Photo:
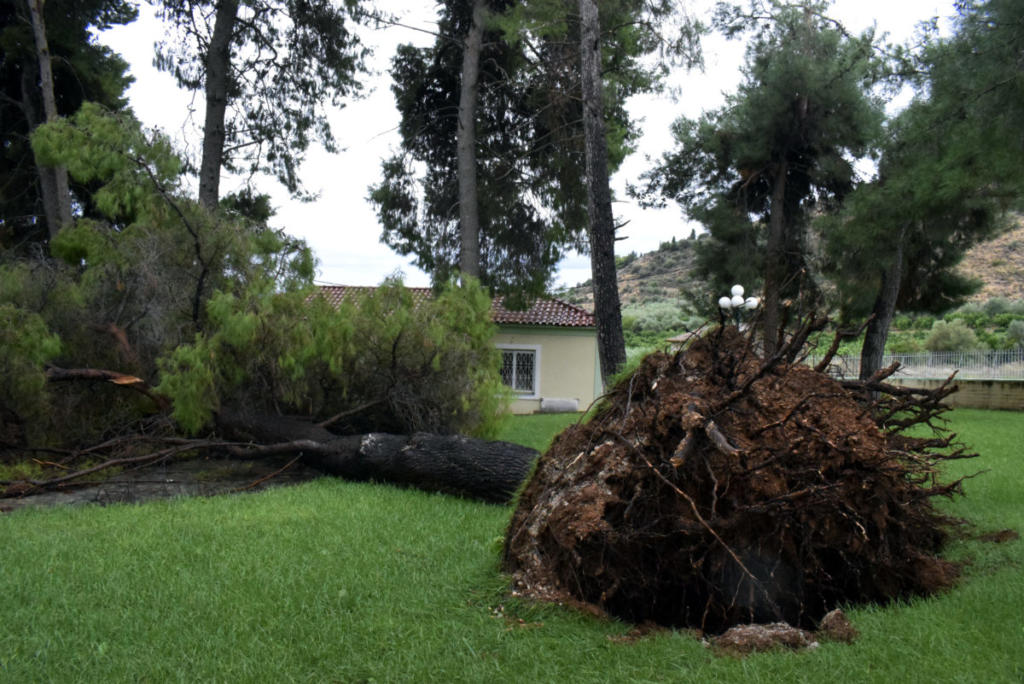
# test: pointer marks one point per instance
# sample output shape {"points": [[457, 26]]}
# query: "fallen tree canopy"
{"points": [[716, 488]]}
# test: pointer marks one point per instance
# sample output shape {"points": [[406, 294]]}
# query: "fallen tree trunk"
{"points": [[453, 464], [464, 466]]}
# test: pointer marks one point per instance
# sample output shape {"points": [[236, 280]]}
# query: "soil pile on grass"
{"points": [[714, 488]]}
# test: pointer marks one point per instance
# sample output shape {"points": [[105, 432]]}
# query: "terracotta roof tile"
{"points": [[551, 312], [543, 312]]}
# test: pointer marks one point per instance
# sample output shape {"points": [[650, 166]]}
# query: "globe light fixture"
{"points": [[734, 304]]}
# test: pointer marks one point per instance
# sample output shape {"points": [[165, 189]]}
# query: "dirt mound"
{"points": [[715, 488]]}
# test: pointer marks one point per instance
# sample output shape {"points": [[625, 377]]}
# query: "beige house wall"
{"points": [[569, 367]]}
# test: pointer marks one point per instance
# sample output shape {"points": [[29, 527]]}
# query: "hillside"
{"points": [[652, 277], [999, 264], [660, 276]]}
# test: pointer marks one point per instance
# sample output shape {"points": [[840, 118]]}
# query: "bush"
{"points": [[923, 322], [1015, 333], [1003, 320], [997, 305], [994, 340], [971, 319], [951, 336], [971, 308], [656, 318], [903, 344]]}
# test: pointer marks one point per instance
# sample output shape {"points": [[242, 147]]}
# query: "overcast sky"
{"points": [[342, 227]]}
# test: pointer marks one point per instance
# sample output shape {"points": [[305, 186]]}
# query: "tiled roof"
{"points": [[552, 312], [543, 312], [336, 294]]}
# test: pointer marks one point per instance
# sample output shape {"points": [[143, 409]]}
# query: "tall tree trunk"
{"points": [[775, 264], [53, 180], [607, 308], [877, 332], [218, 69], [469, 205]]}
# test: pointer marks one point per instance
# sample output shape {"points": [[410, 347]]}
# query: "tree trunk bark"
{"points": [[53, 180], [473, 468], [607, 307], [774, 269], [218, 69], [885, 306], [469, 205]]}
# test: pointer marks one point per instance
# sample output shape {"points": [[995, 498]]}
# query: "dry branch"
{"points": [[55, 374]]}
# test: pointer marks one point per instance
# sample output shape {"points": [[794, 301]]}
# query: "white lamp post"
{"points": [[736, 303]]}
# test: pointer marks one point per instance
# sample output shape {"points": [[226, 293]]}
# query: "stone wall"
{"points": [[983, 394]]}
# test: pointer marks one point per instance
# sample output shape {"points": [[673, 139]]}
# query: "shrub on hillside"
{"points": [[1003, 320], [970, 319], [924, 322], [951, 336], [656, 317], [903, 344], [1015, 333], [997, 305], [971, 308]]}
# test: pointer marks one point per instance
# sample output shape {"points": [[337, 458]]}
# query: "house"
{"points": [[548, 352]]}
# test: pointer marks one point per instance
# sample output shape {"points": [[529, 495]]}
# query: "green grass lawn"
{"points": [[334, 581]]}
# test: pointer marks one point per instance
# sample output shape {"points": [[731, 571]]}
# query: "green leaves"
{"points": [[195, 301], [190, 377], [134, 171], [28, 344], [802, 115], [289, 61], [393, 362], [951, 162]]}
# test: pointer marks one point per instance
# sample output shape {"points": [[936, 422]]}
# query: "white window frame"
{"points": [[535, 348]]}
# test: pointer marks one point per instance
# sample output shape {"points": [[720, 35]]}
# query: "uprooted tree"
{"points": [[715, 487], [167, 329]]}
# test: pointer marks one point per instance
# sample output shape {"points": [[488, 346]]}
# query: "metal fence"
{"points": [[1005, 364]]}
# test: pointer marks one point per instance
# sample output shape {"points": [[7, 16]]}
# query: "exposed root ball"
{"points": [[716, 489]]}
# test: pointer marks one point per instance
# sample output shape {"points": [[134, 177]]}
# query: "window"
{"points": [[519, 370]]}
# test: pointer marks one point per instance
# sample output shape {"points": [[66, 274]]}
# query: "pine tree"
{"points": [[268, 69], [508, 205], [81, 68], [951, 163], [781, 149]]}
